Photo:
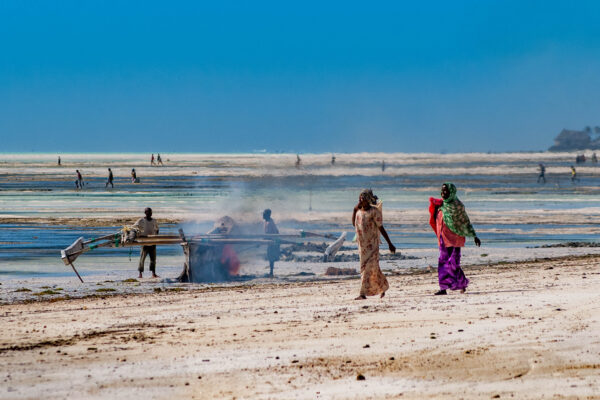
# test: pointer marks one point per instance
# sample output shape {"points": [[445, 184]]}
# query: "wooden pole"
{"points": [[77, 273]]}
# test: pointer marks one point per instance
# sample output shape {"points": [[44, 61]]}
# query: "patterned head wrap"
{"points": [[455, 216], [368, 195]]}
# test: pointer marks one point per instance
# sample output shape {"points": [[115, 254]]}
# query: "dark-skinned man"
{"points": [[147, 226]]}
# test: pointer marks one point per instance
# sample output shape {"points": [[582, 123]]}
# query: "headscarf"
{"points": [[368, 195], [455, 216]]}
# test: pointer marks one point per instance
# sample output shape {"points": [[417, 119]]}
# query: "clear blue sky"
{"points": [[296, 76]]}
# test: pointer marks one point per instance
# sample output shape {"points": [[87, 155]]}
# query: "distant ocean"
{"points": [[510, 210]]}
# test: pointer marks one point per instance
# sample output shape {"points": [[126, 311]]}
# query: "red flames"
{"points": [[230, 260]]}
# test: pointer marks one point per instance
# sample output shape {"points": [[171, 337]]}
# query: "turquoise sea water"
{"points": [[509, 208]]}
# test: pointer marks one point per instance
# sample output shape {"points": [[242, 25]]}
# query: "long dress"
{"points": [[367, 225], [450, 274], [273, 251]]}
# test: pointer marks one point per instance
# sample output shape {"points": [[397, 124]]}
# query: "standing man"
{"points": [[272, 249], [147, 226], [542, 173], [110, 179], [133, 176], [79, 180], [158, 159], [59, 160], [152, 159]]}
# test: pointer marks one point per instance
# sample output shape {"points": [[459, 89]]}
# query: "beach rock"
{"points": [[334, 271]]}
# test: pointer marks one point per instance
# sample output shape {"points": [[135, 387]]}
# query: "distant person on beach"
{"points": [[147, 226], [273, 252], [134, 178], [542, 175], [451, 224], [158, 159], [574, 174], [78, 180], [382, 165], [367, 219], [298, 161], [332, 159], [594, 158], [110, 179], [59, 160], [152, 159]]}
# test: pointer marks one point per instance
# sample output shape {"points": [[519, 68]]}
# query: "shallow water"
{"points": [[509, 209]]}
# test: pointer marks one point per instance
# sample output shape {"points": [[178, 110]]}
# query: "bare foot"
{"points": [[463, 290], [155, 276], [382, 295], [440, 292], [140, 277], [361, 297]]}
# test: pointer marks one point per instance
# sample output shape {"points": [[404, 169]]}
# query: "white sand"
{"points": [[524, 330]]}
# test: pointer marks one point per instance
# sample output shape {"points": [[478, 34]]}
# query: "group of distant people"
{"points": [[574, 178], [157, 161], [79, 182], [298, 163], [580, 158]]}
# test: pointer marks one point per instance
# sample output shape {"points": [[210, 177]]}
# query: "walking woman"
{"points": [[451, 224], [368, 221]]}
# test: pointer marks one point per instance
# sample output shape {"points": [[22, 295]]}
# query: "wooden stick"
{"points": [[77, 273]]}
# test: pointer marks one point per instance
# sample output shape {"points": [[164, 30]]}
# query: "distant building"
{"points": [[570, 140]]}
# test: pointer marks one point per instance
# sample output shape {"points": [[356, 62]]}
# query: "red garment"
{"points": [[433, 205], [450, 238]]}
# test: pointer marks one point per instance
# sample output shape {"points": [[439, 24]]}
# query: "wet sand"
{"points": [[524, 330]]}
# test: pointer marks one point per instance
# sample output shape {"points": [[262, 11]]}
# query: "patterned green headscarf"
{"points": [[455, 216]]}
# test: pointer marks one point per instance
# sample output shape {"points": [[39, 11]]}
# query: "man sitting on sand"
{"points": [[147, 226]]}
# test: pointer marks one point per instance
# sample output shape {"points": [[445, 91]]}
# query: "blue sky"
{"points": [[296, 76]]}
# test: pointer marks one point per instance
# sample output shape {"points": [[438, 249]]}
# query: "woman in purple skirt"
{"points": [[450, 222]]}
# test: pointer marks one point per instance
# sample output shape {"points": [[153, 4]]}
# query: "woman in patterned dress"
{"points": [[368, 221], [451, 224]]}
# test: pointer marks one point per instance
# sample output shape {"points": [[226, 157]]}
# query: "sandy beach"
{"points": [[524, 330]]}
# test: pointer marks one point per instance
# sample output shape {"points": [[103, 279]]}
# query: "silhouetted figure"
{"points": [[59, 160], [542, 173], [110, 179], [594, 158], [574, 174], [134, 178], [298, 161], [272, 249], [158, 159], [79, 180], [332, 159], [382, 165], [152, 159]]}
